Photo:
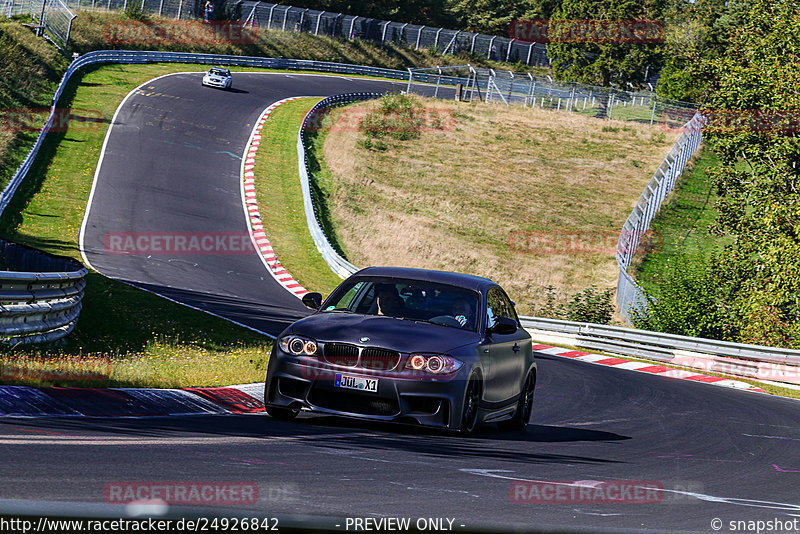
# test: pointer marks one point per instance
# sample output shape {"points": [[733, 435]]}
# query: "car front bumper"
{"points": [[222, 84], [309, 383]]}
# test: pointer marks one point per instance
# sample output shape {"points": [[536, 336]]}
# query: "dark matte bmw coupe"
{"points": [[408, 345]]}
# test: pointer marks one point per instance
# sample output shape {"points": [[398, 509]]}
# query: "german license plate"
{"points": [[359, 383]]}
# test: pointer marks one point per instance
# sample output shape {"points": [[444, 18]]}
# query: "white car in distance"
{"points": [[217, 77]]}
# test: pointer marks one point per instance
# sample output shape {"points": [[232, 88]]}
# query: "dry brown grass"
{"points": [[452, 198]]}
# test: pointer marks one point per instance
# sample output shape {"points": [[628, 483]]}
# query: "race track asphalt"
{"points": [[172, 165]]}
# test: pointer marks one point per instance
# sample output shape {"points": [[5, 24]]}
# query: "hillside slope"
{"points": [[530, 198]]}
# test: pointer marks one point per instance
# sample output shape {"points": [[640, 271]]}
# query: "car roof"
{"points": [[444, 277]]}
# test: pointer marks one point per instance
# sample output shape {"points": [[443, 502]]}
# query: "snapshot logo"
{"points": [[178, 243], [182, 493], [101, 371], [586, 492], [178, 32], [587, 31], [33, 120], [579, 242], [352, 120]]}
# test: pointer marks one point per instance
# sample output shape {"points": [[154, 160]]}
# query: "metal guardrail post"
{"points": [[419, 34]]}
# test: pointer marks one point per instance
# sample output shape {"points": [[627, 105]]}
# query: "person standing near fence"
{"points": [[208, 11]]}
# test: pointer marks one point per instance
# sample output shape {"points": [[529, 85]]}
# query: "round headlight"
{"points": [[417, 362], [296, 346], [310, 348], [435, 364]]}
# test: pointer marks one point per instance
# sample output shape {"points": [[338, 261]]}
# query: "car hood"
{"points": [[386, 332]]}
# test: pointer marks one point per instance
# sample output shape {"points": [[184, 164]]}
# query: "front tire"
{"points": [[284, 414], [524, 407], [472, 398], [278, 412]]}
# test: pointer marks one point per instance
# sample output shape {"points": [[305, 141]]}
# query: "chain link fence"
{"points": [[524, 89], [53, 18], [440, 40], [634, 235]]}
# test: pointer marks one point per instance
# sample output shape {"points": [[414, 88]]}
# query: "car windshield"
{"points": [[413, 300], [219, 72]]}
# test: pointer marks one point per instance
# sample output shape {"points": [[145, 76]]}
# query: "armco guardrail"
{"points": [[114, 56], [338, 265], [44, 306], [40, 295], [653, 345], [629, 294]]}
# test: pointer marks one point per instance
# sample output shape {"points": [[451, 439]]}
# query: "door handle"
{"points": [[516, 347]]}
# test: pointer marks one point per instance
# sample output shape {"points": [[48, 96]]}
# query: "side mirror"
{"points": [[312, 300], [504, 326]]}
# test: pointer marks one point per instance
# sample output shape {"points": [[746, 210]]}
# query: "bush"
{"points": [[399, 116], [592, 305], [134, 10], [695, 299]]}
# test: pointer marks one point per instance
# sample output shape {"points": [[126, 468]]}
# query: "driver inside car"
{"points": [[462, 312], [389, 301]]}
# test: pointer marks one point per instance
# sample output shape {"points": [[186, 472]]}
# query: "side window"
{"points": [[494, 306], [347, 298], [498, 305], [511, 312]]}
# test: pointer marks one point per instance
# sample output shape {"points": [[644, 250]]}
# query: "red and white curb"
{"points": [[24, 401], [255, 227], [650, 368]]}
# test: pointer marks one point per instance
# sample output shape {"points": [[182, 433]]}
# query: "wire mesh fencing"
{"points": [[440, 40], [525, 89]]}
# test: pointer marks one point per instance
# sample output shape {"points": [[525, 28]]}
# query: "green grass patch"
{"points": [[146, 340], [280, 199], [681, 228]]}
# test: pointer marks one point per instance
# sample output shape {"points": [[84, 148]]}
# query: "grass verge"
{"points": [[139, 338], [280, 199], [530, 198], [682, 225]]}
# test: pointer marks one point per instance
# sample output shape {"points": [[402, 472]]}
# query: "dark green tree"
{"points": [[751, 291], [620, 64], [753, 126], [697, 32]]}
